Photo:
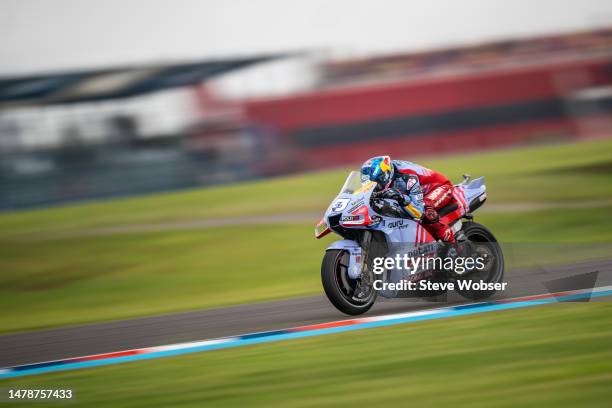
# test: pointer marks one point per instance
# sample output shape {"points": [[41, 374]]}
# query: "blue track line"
{"points": [[289, 334]]}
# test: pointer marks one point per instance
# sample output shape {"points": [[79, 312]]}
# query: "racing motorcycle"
{"points": [[372, 226]]}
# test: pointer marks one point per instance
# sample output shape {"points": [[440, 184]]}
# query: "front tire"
{"points": [[340, 289]]}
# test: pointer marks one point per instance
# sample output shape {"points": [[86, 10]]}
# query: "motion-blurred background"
{"points": [[166, 156], [99, 100], [145, 143]]}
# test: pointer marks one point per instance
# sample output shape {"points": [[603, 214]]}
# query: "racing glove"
{"points": [[393, 194], [408, 208]]}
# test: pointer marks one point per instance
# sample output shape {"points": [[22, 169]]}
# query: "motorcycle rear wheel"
{"points": [[482, 239]]}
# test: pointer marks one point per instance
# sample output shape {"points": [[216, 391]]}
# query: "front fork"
{"points": [[366, 277]]}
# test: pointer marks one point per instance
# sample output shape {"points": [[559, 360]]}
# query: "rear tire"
{"points": [[339, 288], [484, 243]]}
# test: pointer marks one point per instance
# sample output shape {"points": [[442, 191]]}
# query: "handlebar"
{"points": [[384, 207]]}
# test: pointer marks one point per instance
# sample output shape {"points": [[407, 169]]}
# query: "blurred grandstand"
{"points": [[92, 134]]}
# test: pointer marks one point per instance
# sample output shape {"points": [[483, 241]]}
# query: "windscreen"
{"points": [[352, 183]]}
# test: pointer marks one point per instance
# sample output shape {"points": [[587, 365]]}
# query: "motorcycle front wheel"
{"points": [[347, 295]]}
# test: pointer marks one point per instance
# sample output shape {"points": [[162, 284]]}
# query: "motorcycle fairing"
{"points": [[408, 235], [355, 254], [468, 196]]}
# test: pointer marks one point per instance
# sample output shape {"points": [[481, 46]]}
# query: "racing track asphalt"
{"points": [[65, 342]]}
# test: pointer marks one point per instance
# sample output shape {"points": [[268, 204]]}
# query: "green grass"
{"points": [[560, 173], [559, 355], [103, 278], [62, 281], [83, 280]]}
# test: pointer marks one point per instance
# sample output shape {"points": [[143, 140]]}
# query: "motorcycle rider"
{"points": [[421, 192]]}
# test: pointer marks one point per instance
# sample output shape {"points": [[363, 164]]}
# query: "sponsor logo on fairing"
{"points": [[346, 218], [395, 224]]}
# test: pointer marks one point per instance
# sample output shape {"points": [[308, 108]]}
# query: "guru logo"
{"points": [[395, 224]]}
